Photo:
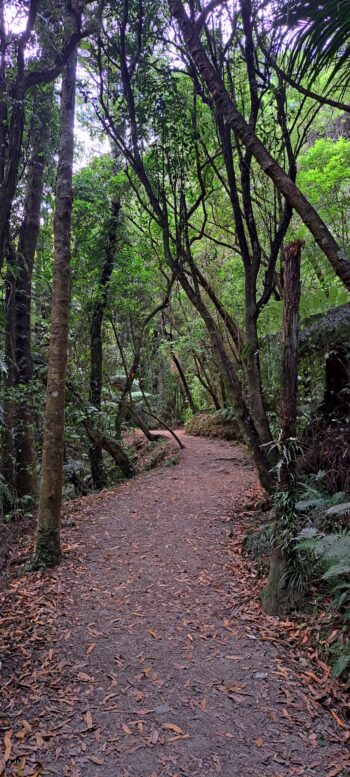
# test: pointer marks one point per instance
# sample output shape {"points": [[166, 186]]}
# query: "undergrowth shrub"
{"points": [[221, 425], [329, 554]]}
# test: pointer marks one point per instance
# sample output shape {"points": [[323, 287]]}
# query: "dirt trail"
{"points": [[151, 671]]}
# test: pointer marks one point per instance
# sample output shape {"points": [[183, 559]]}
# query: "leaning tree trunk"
{"points": [[274, 596], [185, 385], [206, 382], [111, 446], [26, 483], [48, 548], [96, 350], [229, 373], [226, 108]]}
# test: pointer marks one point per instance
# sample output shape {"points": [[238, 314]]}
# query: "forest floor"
{"points": [[145, 653]]}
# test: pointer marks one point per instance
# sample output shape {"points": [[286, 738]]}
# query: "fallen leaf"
{"points": [[334, 772], [180, 736], [95, 760], [259, 742], [126, 729], [39, 740], [337, 719], [88, 718], [173, 727], [8, 744], [235, 688], [85, 678]]}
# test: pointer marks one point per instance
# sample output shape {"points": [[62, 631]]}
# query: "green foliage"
{"points": [[342, 664], [324, 173], [320, 31], [331, 554], [332, 550], [156, 457]]}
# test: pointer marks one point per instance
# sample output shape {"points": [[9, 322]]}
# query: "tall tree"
{"points": [[48, 547], [40, 131], [23, 67], [226, 108], [275, 591], [96, 349]]}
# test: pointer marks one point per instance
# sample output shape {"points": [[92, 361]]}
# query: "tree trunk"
{"points": [[185, 385], [3, 96], [111, 446], [253, 374], [230, 376], [48, 548], [205, 380], [135, 416], [26, 483], [96, 350], [8, 456], [227, 109], [13, 156], [274, 596]]}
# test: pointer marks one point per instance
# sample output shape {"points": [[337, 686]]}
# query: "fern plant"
{"points": [[332, 552], [327, 513]]}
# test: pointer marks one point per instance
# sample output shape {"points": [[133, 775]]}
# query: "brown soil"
{"points": [[145, 654]]}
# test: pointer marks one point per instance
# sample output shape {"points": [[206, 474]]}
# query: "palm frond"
{"points": [[318, 32]]}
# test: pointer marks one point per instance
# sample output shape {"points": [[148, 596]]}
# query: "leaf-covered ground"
{"points": [[145, 653]]}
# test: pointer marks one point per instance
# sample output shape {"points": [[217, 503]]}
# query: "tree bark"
{"points": [[227, 109], [48, 548], [290, 337], [111, 446], [274, 595]]}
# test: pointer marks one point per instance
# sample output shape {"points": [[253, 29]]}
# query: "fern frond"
{"points": [[338, 509], [342, 663], [337, 570], [304, 505]]}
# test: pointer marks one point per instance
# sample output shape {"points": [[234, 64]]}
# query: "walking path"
{"points": [[151, 668]]}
